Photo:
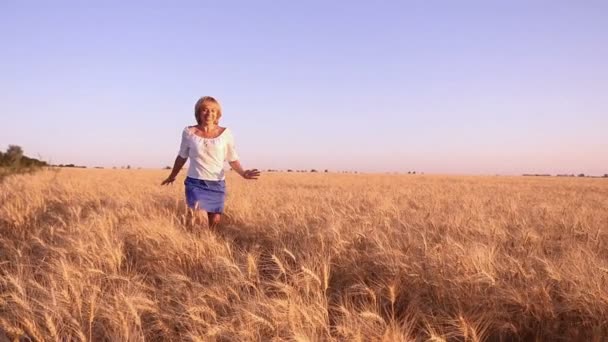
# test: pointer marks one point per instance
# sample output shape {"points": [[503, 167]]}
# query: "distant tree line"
{"points": [[562, 175], [14, 157], [71, 165], [13, 161]]}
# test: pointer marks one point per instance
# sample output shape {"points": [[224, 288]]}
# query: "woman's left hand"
{"points": [[168, 181], [251, 174]]}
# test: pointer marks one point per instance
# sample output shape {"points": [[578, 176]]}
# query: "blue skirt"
{"points": [[207, 195]]}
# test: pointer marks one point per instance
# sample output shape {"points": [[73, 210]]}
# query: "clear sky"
{"points": [[478, 87]]}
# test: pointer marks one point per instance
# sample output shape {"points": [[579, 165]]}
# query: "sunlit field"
{"points": [[111, 255]]}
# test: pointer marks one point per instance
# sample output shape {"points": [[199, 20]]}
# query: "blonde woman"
{"points": [[208, 146]]}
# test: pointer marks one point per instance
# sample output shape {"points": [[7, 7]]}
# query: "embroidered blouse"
{"points": [[207, 155]]}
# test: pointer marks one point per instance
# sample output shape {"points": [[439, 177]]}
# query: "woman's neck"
{"points": [[207, 128]]}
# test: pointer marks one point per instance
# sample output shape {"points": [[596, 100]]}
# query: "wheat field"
{"points": [[109, 255]]}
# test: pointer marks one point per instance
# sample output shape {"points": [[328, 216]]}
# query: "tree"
{"points": [[13, 154]]}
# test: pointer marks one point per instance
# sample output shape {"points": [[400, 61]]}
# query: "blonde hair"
{"points": [[206, 101]]}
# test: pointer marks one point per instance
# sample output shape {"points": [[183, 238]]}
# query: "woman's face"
{"points": [[209, 114]]}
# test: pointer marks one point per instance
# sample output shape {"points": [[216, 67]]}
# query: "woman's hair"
{"points": [[206, 101]]}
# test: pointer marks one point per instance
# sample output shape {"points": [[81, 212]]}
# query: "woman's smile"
{"points": [[209, 115]]}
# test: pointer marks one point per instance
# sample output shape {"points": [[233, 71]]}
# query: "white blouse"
{"points": [[207, 156]]}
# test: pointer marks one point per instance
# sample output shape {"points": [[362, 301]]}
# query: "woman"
{"points": [[208, 146]]}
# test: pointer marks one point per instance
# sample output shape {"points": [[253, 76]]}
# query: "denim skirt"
{"points": [[204, 194]]}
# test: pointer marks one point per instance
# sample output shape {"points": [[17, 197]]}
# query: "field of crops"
{"points": [[111, 255]]}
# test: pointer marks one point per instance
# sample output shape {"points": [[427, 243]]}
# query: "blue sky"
{"points": [[479, 87]]}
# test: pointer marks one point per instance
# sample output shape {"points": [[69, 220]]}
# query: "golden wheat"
{"points": [[111, 255]]}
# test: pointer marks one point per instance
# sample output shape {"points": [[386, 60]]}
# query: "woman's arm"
{"points": [[177, 166], [247, 174]]}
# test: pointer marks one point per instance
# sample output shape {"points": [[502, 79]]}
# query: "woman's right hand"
{"points": [[168, 181], [251, 174]]}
